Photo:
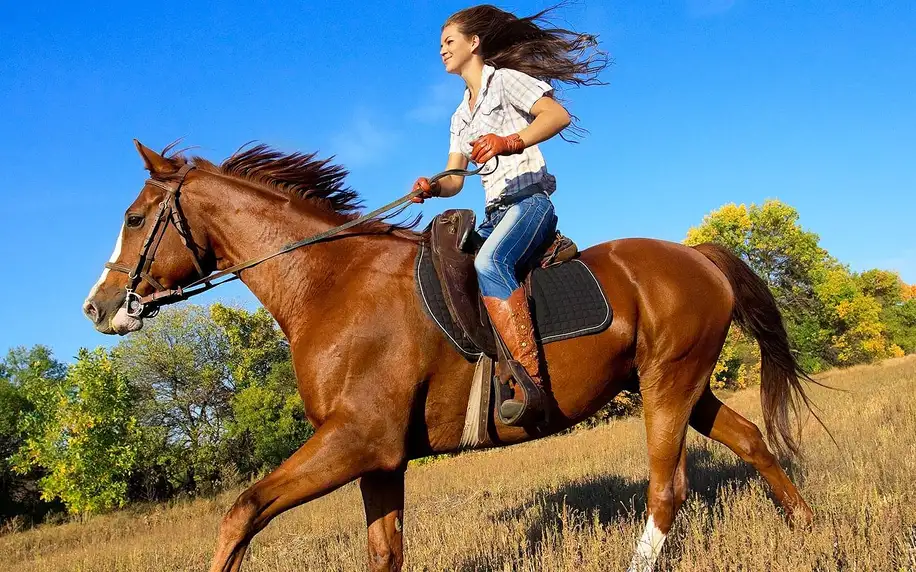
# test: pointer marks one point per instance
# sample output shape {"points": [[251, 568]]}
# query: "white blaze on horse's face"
{"points": [[120, 323], [647, 548], [114, 258]]}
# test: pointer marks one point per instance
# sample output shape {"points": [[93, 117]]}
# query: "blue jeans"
{"points": [[512, 234]]}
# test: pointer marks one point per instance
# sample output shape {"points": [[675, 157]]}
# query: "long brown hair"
{"points": [[533, 45]]}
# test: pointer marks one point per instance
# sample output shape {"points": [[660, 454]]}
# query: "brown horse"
{"points": [[380, 382]]}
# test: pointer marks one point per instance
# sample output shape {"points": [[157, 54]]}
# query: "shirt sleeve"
{"points": [[522, 90]]}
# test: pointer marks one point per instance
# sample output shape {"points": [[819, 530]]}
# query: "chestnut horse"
{"points": [[381, 383]]}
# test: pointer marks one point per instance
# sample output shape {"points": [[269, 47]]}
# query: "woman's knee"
{"points": [[487, 263]]}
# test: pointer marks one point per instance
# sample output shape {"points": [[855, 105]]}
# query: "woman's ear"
{"points": [[475, 43]]}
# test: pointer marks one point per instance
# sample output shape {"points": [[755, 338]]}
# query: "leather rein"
{"points": [[170, 211]]}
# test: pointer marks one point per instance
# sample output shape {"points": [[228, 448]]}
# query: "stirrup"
{"points": [[528, 410]]}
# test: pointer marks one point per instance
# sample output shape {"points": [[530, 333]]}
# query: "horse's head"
{"points": [[162, 245]]}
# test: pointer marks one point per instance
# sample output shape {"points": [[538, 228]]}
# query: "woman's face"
{"points": [[456, 49]]}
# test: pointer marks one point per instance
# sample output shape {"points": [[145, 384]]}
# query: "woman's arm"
{"points": [[446, 186], [549, 119], [451, 185]]}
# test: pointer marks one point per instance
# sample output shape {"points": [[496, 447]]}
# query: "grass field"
{"points": [[574, 502]]}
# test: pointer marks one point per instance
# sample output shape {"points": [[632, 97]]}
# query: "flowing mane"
{"points": [[303, 177]]}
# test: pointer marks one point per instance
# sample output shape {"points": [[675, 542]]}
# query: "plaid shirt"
{"points": [[503, 107]]}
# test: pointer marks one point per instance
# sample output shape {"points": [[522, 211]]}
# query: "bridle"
{"points": [[170, 211]]}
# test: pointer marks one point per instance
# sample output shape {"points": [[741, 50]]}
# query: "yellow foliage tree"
{"points": [[908, 292], [833, 316]]}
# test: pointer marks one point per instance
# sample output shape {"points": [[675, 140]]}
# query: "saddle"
{"points": [[454, 243]]}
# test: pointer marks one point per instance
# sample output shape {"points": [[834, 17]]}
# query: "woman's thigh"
{"points": [[523, 227]]}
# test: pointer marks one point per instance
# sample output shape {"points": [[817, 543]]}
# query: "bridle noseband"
{"points": [[170, 211]]}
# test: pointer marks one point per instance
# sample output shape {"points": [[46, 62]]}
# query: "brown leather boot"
{"points": [[512, 319]]}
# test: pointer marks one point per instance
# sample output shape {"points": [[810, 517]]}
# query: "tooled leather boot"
{"points": [[512, 319]]}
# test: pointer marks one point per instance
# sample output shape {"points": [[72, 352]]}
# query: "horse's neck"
{"points": [[286, 284]]}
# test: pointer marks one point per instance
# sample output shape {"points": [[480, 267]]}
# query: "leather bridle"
{"points": [[170, 211]]}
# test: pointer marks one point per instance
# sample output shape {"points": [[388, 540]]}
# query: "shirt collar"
{"points": [[485, 76]]}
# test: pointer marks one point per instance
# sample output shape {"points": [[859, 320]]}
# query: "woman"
{"points": [[508, 65]]}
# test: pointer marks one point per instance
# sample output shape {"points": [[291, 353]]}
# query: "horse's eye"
{"points": [[134, 220]]}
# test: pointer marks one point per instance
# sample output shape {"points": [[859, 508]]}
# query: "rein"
{"points": [[169, 210]]}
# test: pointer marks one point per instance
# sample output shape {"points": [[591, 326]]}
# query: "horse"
{"points": [[379, 381]]}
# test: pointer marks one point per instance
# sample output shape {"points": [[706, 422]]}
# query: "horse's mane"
{"points": [[303, 177]]}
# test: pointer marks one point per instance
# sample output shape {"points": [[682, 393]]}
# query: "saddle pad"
{"points": [[567, 302]]}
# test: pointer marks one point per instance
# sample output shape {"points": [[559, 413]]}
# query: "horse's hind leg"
{"points": [[383, 498], [667, 401], [714, 419]]}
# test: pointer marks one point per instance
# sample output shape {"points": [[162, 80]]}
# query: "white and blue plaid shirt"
{"points": [[503, 107]]}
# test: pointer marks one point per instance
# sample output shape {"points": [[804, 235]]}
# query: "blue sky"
{"points": [[708, 102]]}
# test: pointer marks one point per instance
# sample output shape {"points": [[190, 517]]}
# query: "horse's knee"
{"points": [[238, 523], [486, 266]]}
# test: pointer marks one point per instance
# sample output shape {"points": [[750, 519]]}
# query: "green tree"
{"points": [[851, 319], [24, 371], [82, 435], [883, 285], [900, 319], [268, 420], [898, 307], [177, 366], [17, 492], [770, 239], [269, 416], [255, 343]]}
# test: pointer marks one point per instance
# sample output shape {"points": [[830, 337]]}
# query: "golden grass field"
{"points": [[574, 502]]}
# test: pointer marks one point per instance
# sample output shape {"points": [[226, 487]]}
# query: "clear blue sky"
{"points": [[709, 102]]}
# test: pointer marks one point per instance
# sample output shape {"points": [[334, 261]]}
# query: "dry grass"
{"points": [[573, 502]]}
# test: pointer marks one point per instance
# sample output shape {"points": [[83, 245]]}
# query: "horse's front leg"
{"points": [[336, 454], [383, 498]]}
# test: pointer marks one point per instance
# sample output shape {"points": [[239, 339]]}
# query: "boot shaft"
{"points": [[512, 319]]}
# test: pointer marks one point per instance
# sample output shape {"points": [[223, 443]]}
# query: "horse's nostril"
{"points": [[91, 311]]}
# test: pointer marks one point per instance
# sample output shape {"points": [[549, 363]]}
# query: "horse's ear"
{"points": [[155, 163]]}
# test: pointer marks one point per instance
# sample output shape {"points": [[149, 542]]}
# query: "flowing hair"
{"points": [[535, 46]]}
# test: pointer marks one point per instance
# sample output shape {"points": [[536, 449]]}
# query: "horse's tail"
{"points": [[780, 375]]}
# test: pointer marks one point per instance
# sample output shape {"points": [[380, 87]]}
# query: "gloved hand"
{"points": [[428, 189], [490, 145]]}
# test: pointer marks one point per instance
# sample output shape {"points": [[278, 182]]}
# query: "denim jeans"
{"points": [[512, 234]]}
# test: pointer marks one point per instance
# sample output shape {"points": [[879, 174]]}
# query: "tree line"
{"points": [[200, 399], [205, 397]]}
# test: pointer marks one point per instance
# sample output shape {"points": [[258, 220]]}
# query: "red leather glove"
{"points": [[427, 189], [491, 145]]}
